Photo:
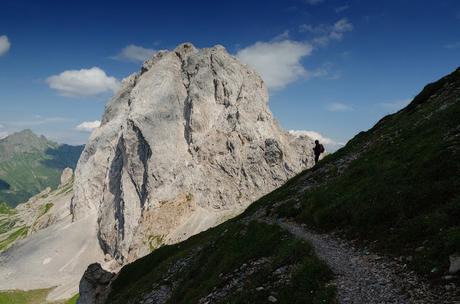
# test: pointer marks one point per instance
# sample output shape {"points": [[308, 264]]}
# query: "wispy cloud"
{"points": [[338, 107], [5, 45], [88, 126], [278, 62], [134, 53], [326, 71], [84, 82], [342, 8], [37, 121], [454, 45], [283, 36], [313, 2], [325, 33]]}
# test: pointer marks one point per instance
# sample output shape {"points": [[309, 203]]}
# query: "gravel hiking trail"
{"points": [[365, 278]]}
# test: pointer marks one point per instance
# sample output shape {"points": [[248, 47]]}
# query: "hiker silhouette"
{"points": [[318, 149]]}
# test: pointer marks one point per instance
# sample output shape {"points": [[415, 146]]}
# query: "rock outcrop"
{"points": [[185, 144], [94, 285], [66, 176]]}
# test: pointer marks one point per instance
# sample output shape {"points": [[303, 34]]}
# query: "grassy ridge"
{"points": [[403, 189], [27, 175]]}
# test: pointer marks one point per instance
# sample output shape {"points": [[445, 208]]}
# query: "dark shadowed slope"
{"points": [[30, 163]]}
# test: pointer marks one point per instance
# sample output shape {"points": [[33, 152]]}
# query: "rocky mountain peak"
{"points": [[22, 141], [186, 143]]}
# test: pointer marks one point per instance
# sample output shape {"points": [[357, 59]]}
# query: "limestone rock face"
{"points": [[185, 144]]}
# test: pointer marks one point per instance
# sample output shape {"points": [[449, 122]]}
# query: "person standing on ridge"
{"points": [[318, 149]]}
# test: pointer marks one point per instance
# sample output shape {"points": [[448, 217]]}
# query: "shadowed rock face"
{"points": [[93, 285], [185, 144]]}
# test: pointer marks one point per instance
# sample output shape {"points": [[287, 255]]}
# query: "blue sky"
{"points": [[333, 67]]}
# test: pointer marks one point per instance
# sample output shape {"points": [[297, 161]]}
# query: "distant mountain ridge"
{"points": [[30, 163]]}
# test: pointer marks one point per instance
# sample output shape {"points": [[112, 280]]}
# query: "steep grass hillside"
{"points": [[30, 163], [241, 261], [395, 188], [397, 184]]}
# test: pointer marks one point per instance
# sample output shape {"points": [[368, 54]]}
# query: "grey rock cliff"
{"points": [[185, 144]]}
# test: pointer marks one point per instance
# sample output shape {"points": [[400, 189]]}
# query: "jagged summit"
{"points": [[186, 142]]}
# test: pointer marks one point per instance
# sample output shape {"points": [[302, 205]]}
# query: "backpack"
{"points": [[321, 148]]}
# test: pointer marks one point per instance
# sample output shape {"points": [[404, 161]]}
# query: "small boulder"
{"points": [[66, 176], [272, 299], [419, 249]]}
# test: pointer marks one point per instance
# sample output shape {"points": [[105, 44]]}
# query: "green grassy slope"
{"points": [[244, 251], [402, 185], [30, 163], [37, 296]]}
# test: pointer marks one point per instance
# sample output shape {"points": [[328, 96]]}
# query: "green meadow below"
{"points": [[37, 296]]}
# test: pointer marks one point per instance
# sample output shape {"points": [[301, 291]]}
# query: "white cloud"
{"points": [[283, 36], [326, 33], [278, 62], [88, 126], [84, 82], [135, 53], [329, 142], [5, 45], [313, 2], [338, 107]]}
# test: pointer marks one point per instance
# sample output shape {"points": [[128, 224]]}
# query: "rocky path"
{"points": [[364, 278]]}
